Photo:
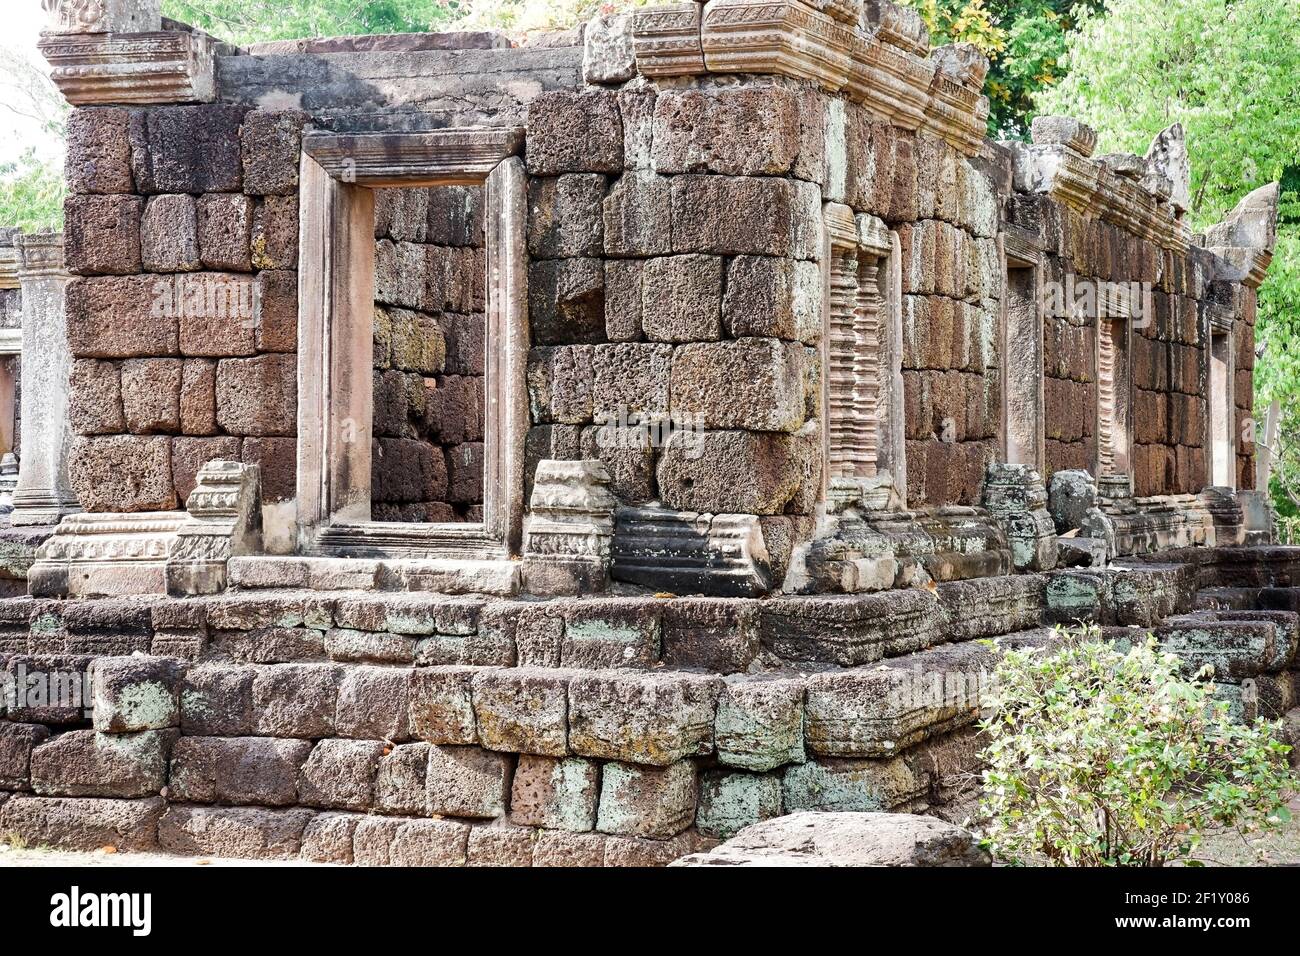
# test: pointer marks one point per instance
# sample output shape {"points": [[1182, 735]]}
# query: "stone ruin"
{"points": [[436, 450]]}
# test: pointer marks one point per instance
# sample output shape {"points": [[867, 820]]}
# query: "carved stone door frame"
{"points": [[336, 291], [1021, 348]]}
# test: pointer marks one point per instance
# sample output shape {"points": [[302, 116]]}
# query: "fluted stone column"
{"points": [[43, 495]]}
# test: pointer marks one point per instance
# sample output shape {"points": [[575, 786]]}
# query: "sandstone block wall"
{"points": [[182, 232], [427, 463]]}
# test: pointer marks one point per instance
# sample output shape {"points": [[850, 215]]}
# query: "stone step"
{"points": [[1237, 644]]}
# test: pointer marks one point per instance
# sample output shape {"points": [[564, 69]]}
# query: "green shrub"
{"points": [[1099, 755]]}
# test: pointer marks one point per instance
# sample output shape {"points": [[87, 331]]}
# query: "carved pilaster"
{"points": [[43, 494], [100, 69], [225, 521], [569, 528], [103, 16]]}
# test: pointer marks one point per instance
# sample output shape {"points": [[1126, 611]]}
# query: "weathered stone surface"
{"points": [[1069, 496], [468, 781], [95, 398], [136, 693], [850, 630], [722, 472], [16, 743], [556, 794], [327, 838], [114, 317], [270, 141], [295, 700], [609, 634], [630, 378], [682, 298], [273, 241], [641, 801], [607, 50], [879, 711], [243, 832], [275, 311], [638, 216], [759, 723], [373, 704], [574, 132], [623, 290], [716, 635], [122, 473], [216, 700], [501, 846], [225, 232], [655, 718], [151, 395], [523, 710], [364, 647], [83, 823], [258, 396], [99, 151], [405, 842], [559, 848], [169, 234], [852, 785], [729, 802], [566, 301], [102, 234], [188, 149], [564, 216], [401, 784], [847, 839], [737, 131], [761, 216], [755, 384], [340, 774], [772, 297], [198, 398], [238, 770], [84, 763]]}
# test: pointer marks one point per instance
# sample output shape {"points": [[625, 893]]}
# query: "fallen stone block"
{"points": [[847, 839], [655, 718]]}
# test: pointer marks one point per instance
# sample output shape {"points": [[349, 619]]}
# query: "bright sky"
{"points": [[21, 27]]}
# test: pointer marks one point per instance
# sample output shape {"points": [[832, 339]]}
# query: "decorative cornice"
{"points": [[408, 159], [11, 341], [882, 62], [1252, 264], [99, 69]]}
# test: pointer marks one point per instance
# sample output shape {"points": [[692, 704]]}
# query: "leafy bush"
{"points": [[1099, 755], [31, 194]]}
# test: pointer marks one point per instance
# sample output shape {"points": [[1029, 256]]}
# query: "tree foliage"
{"points": [[1103, 755], [1025, 41], [1226, 70], [253, 21], [31, 194]]}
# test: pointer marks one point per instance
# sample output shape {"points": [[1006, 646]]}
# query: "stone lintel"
{"points": [[437, 157], [101, 69]]}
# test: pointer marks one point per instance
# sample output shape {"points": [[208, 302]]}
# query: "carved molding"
{"points": [[438, 157], [225, 520], [569, 529], [666, 40], [124, 68], [881, 60], [41, 254], [11, 341], [92, 555], [687, 553]]}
